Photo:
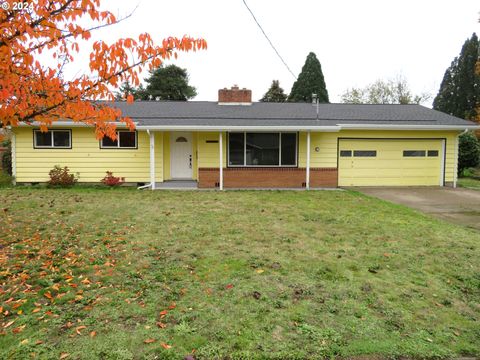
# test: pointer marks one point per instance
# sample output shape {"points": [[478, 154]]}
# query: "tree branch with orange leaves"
{"points": [[32, 92]]}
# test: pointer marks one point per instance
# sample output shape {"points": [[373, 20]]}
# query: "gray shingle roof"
{"points": [[203, 113]]}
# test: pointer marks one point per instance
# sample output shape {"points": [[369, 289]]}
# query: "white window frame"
{"points": [[118, 141], [279, 149], [35, 146]]}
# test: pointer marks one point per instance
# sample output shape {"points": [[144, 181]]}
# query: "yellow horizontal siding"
{"points": [[208, 153], [166, 156], [195, 155], [159, 156], [91, 162], [86, 158]]}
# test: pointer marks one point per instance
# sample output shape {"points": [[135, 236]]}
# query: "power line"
{"points": [[271, 44]]}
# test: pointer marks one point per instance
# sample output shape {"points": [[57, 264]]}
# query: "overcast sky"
{"points": [[356, 41]]}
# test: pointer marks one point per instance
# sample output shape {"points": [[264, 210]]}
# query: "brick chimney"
{"points": [[235, 96]]}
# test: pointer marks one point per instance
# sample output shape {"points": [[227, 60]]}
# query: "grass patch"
{"points": [[5, 179], [126, 274], [469, 183]]}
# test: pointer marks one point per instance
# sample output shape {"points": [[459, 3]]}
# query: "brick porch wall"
{"points": [[267, 177]]}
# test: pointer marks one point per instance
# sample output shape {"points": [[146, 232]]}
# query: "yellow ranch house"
{"points": [[237, 143]]}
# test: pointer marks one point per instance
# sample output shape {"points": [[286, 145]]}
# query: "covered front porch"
{"points": [[235, 160]]}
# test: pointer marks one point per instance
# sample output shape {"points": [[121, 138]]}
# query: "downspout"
{"points": [[455, 175], [144, 186]]}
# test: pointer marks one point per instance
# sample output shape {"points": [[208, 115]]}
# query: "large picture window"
{"points": [[53, 139], [125, 140], [262, 149]]}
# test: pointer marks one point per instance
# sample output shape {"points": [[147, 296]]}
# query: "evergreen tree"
{"points": [[310, 81], [275, 93], [468, 152], [142, 94], [460, 89], [125, 89], [168, 83]]}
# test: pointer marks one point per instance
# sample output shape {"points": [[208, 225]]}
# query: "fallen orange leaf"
{"points": [[79, 329], [9, 324], [93, 334], [229, 286], [172, 306], [149, 341], [161, 325], [18, 329], [165, 346]]}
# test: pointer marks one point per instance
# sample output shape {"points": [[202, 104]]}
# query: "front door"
{"points": [[181, 155]]}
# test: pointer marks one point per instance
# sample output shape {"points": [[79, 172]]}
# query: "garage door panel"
{"points": [[389, 182], [390, 167], [390, 164], [391, 143], [388, 173]]}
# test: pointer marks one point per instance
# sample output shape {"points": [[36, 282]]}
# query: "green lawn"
{"points": [[126, 274], [5, 179], [469, 183]]}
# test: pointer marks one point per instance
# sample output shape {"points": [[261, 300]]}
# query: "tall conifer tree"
{"points": [[275, 93], [310, 81], [460, 88]]}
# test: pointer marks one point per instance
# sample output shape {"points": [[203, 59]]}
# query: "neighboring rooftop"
{"points": [[205, 113]]}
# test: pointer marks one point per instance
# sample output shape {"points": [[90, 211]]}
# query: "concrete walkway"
{"points": [[459, 206]]}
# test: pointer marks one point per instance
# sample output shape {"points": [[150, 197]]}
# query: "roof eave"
{"points": [[72, 124], [333, 128], [324, 128], [407, 127]]}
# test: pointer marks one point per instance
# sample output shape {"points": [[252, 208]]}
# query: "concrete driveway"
{"points": [[460, 206]]}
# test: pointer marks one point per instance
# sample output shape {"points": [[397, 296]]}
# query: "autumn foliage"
{"points": [[32, 91], [61, 176], [111, 180]]}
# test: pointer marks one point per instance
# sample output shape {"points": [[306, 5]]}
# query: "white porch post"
{"points": [[152, 159], [220, 145], [307, 180]]}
